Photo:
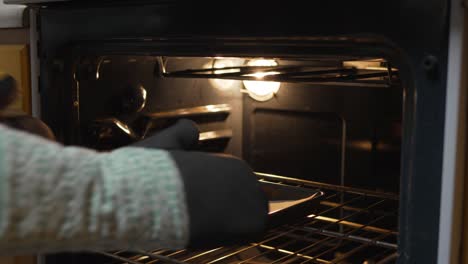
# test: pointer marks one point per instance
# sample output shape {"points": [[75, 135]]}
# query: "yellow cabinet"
{"points": [[14, 60]]}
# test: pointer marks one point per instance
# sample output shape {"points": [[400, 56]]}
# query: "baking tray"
{"points": [[289, 203]]}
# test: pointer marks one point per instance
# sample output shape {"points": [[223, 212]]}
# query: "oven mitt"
{"points": [[28, 124], [224, 199], [8, 91], [8, 94], [183, 135], [225, 202]]}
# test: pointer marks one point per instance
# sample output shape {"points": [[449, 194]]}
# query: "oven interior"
{"points": [[332, 123]]}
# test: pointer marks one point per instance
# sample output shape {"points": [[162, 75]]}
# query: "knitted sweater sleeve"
{"points": [[55, 198]]}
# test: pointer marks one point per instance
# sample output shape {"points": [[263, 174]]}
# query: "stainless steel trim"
{"points": [[192, 111], [120, 125], [216, 134], [268, 176]]}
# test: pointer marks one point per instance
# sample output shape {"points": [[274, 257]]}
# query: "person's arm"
{"points": [[55, 198]]}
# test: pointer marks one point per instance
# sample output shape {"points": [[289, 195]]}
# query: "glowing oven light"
{"points": [[262, 90], [219, 64]]}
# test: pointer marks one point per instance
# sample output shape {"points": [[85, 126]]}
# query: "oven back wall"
{"points": [[339, 134], [329, 133]]}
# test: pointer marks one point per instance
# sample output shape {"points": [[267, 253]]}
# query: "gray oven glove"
{"points": [[224, 200], [183, 135], [8, 94]]}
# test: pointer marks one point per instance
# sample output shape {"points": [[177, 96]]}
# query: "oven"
{"points": [[347, 97]]}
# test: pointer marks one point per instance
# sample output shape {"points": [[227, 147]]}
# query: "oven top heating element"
{"points": [[350, 226], [262, 77]]}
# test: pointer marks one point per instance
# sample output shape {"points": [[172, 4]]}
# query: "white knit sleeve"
{"points": [[55, 198]]}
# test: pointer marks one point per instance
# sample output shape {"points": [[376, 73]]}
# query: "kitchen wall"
{"points": [[14, 35]]}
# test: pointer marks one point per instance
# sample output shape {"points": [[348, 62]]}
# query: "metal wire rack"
{"points": [[303, 73], [349, 226]]}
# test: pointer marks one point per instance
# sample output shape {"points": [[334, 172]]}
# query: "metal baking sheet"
{"points": [[289, 203]]}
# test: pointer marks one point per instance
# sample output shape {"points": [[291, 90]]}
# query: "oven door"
{"points": [[416, 31]]}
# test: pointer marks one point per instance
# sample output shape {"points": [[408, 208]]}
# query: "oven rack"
{"points": [[291, 73], [349, 226]]}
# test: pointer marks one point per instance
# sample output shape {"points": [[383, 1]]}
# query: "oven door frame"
{"points": [[419, 33]]}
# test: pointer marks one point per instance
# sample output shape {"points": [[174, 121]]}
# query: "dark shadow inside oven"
{"points": [[332, 123], [321, 123]]}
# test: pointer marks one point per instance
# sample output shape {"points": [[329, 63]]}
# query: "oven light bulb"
{"points": [[220, 63], [262, 90]]}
